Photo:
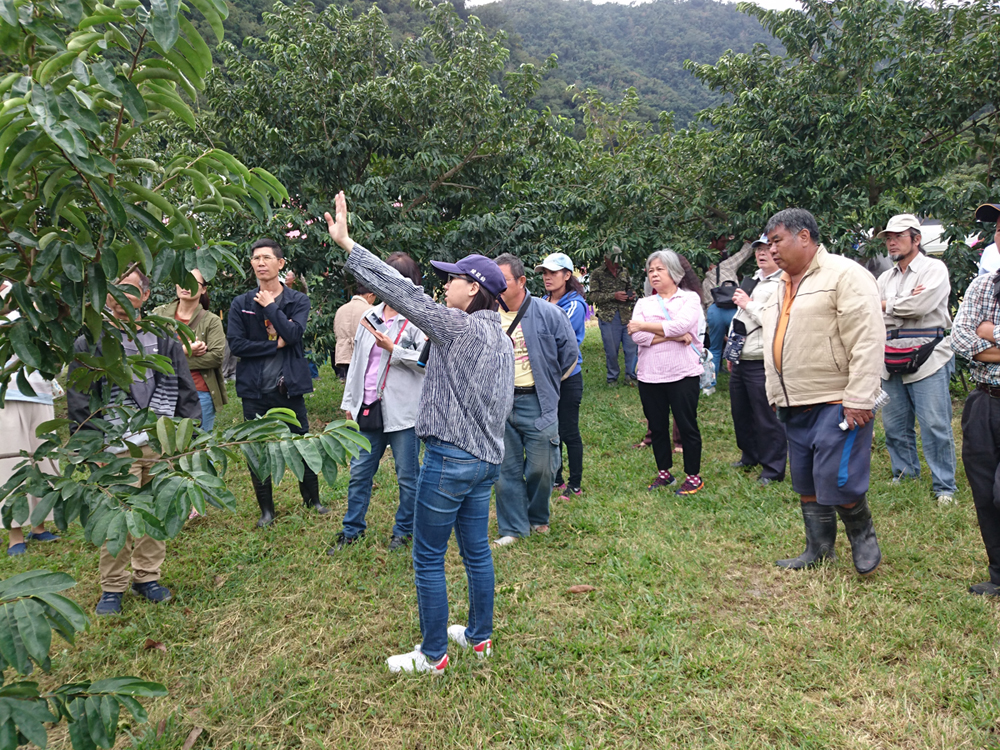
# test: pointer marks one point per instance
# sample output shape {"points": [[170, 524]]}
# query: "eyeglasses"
{"points": [[265, 258], [462, 276]]}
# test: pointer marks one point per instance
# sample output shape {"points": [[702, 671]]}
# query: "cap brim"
{"points": [[757, 243], [443, 269], [988, 212], [539, 269]]}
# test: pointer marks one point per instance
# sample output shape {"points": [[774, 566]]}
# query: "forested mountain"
{"points": [[609, 47]]}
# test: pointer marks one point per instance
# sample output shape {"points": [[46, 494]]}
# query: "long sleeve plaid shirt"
{"points": [[978, 305]]}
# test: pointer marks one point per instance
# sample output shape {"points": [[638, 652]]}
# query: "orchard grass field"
{"points": [[691, 638]]}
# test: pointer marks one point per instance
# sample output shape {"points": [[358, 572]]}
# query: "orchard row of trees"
{"points": [[122, 147]]}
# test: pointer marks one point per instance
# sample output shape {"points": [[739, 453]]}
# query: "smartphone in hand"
{"points": [[371, 318]]}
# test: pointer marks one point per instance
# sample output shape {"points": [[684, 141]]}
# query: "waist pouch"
{"points": [[906, 360], [369, 416]]}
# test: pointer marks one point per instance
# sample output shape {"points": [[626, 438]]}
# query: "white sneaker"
{"points": [[457, 633], [504, 541], [945, 500], [415, 661]]}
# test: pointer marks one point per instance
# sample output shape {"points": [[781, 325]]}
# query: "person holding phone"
{"points": [[204, 354], [468, 393], [381, 393]]}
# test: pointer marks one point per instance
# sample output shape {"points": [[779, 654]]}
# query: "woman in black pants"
{"points": [[562, 289]]}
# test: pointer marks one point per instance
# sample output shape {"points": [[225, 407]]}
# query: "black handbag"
{"points": [[722, 295], [370, 417]]}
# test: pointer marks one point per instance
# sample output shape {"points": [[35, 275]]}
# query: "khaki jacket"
{"points": [[345, 326], [834, 344], [208, 327], [753, 348]]}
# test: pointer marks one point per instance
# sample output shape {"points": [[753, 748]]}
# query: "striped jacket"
{"points": [[469, 388], [173, 396]]}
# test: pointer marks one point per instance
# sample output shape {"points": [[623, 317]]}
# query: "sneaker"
{"points": [[987, 588], [570, 493], [945, 500], [691, 485], [398, 541], [109, 604], [663, 479], [542, 528], [17, 549], [193, 514], [415, 661], [457, 633], [504, 541], [559, 486], [152, 591], [342, 541], [43, 536]]}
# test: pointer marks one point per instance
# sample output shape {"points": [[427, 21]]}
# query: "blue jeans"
{"points": [[530, 459], [207, 411], [453, 492], [930, 402], [613, 334], [718, 321], [406, 455]]}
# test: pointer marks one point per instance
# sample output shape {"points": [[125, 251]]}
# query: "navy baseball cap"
{"points": [[988, 212], [477, 267]]}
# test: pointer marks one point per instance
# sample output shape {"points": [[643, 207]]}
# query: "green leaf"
{"points": [[163, 22], [184, 431], [36, 635], [104, 72], [277, 462], [8, 12], [133, 100], [292, 459], [206, 262], [211, 15], [25, 715], [309, 450], [162, 264], [72, 262], [24, 347], [165, 434]]}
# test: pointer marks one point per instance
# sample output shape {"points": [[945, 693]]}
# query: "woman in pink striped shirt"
{"points": [[665, 327]]}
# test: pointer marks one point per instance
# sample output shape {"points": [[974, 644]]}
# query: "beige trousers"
{"points": [[146, 555], [18, 420]]}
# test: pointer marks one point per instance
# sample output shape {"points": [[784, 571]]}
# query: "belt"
{"points": [[992, 390], [915, 333], [523, 391]]}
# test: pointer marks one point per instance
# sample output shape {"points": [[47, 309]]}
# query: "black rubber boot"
{"points": [[265, 499], [861, 533], [821, 536], [309, 487]]}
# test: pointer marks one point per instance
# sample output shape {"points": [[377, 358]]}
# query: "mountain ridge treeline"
{"points": [[609, 47]]}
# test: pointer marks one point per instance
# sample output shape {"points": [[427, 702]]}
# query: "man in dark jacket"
{"points": [[166, 396], [545, 354], [265, 331]]}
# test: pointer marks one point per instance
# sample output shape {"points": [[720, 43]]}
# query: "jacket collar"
{"points": [[916, 264]]}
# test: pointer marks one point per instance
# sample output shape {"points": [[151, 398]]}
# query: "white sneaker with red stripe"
{"points": [[482, 650], [415, 661]]}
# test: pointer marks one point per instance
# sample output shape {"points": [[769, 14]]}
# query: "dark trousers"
{"points": [[257, 407], [570, 396], [981, 456], [759, 434], [681, 398]]}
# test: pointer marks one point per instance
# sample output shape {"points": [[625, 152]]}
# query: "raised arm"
{"points": [[440, 323]]}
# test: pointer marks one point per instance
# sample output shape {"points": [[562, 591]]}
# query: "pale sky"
{"points": [[772, 4]]}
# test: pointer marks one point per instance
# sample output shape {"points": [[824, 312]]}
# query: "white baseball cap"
{"points": [[762, 241], [900, 223], [555, 262]]}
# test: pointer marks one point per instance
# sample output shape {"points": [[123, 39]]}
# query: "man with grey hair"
{"points": [[823, 347], [545, 353], [918, 358]]}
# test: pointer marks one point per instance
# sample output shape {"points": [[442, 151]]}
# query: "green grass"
{"points": [[693, 638]]}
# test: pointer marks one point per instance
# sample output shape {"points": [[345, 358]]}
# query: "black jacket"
{"points": [[173, 396], [248, 340]]}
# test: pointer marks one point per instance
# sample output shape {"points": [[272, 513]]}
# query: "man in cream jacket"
{"points": [[823, 354]]}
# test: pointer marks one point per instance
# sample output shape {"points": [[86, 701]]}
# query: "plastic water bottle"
{"points": [[880, 400]]}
